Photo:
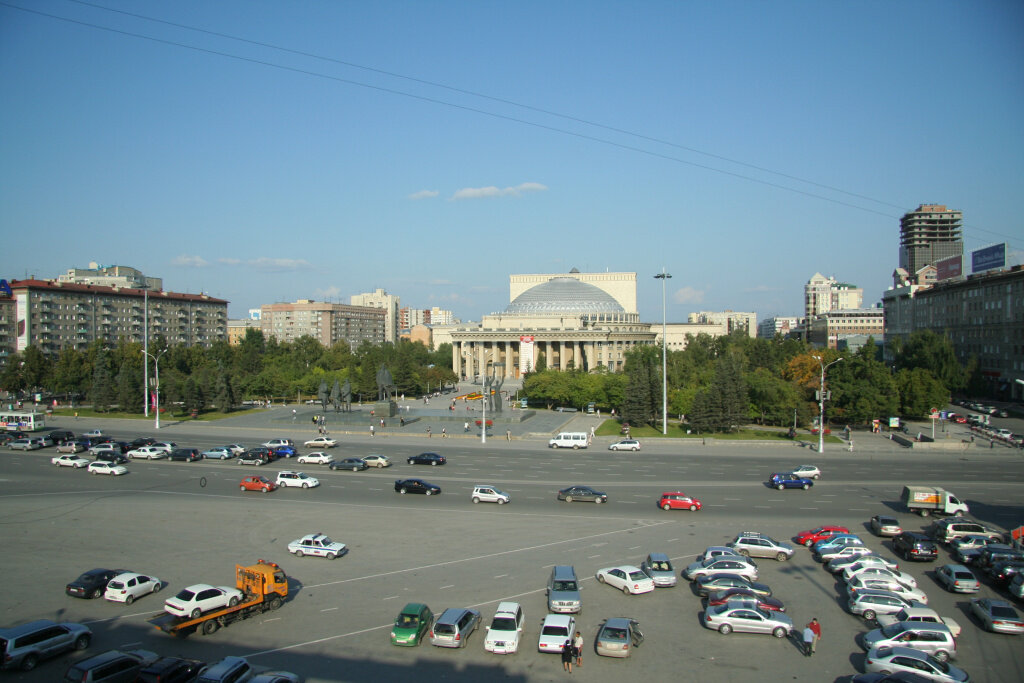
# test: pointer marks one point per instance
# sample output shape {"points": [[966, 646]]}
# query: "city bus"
{"points": [[22, 422]]}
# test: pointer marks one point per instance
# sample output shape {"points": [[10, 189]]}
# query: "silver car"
{"points": [[754, 544], [859, 583], [891, 660], [839, 564], [935, 639], [870, 603], [659, 568], [746, 617], [997, 615], [453, 627], [883, 525], [618, 636], [957, 578], [722, 565]]}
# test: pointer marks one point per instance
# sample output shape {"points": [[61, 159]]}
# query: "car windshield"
{"points": [[555, 631], [940, 666], [892, 630], [637, 576], [503, 624], [614, 634], [116, 585], [661, 566], [407, 620], [1000, 612], [565, 585]]}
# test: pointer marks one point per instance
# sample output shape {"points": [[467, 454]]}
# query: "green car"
{"points": [[411, 625]]}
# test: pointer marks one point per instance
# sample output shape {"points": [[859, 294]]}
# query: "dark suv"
{"points": [[914, 546], [171, 670], [186, 454], [59, 436]]}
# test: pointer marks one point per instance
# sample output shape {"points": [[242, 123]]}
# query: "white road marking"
{"points": [[452, 585], [328, 609], [391, 597]]}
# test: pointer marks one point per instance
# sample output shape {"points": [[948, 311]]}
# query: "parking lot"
{"points": [[188, 523]]}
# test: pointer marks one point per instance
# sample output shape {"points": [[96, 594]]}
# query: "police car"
{"points": [[318, 545]]}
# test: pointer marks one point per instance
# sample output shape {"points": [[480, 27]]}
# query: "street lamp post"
{"points": [[663, 276], [145, 350], [821, 401], [156, 386]]}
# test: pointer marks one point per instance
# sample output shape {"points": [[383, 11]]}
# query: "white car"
{"points": [[845, 551], [486, 493], [105, 449], [23, 445], [317, 545], [69, 460], [70, 447], [236, 448], [299, 479], [321, 442], [104, 467], [167, 446], [318, 458], [859, 583], [625, 445], [507, 626], [148, 453], [808, 471], [129, 586], [201, 598], [375, 460], [554, 631], [841, 563], [277, 443], [93, 433], [876, 571], [627, 578]]}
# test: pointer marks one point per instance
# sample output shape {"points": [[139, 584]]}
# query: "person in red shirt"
{"points": [[816, 628]]}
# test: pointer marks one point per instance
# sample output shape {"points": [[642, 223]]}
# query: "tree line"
{"points": [[221, 376]]}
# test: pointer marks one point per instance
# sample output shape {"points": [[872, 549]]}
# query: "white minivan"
{"points": [[569, 440]]}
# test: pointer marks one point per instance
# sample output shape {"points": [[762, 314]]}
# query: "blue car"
{"points": [[837, 541], [285, 452], [788, 480]]}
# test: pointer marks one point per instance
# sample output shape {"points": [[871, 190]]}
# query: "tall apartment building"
{"points": [[326, 322], [929, 234], [823, 294], [54, 315], [410, 317], [731, 320], [381, 299], [769, 327], [832, 327], [111, 276]]}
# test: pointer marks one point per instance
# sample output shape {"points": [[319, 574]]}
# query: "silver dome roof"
{"points": [[564, 295]]}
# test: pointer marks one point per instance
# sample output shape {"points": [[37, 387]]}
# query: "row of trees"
{"points": [[220, 376], [720, 383]]}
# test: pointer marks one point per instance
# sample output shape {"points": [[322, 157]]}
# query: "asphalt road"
{"points": [[188, 523]]}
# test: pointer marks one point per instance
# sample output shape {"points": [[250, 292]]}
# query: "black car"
{"points": [[186, 454], [914, 546], [140, 442], [60, 436], [427, 459], [259, 455], [113, 665], [354, 464], [92, 584], [706, 585], [416, 486], [1003, 572], [584, 493], [171, 670], [116, 458]]}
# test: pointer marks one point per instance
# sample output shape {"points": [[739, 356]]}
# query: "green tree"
{"points": [[129, 388], [13, 376], [223, 394], [37, 370], [723, 405], [71, 372], [933, 352], [920, 391], [862, 387], [102, 392], [773, 400]]}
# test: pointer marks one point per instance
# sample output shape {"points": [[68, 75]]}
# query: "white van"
{"points": [[569, 440]]}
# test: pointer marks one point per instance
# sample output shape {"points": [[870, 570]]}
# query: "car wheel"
{"points": [[625, 589], [379, 465], [305, 485], [575, 447], [239, 461], [781, 557], [501, 501], [869, 614], [475, 500], [805, 487], [429, 492], [635, 449], [725, 629], [410, 462], [816, 476], [210, 627], [808, 543], [266, 489], [195, 613], [330, 556], [275, 602], [600, 578], [598, 501], [157, 586], [129, 600], [402, 490], [82, 641], [779, 632], [693, 508], [233, 601], [780, 487], [745, 553], [666, 506], [29, 662], [241, 488], [433, 464], [568, 499], [299, 553], [95, 594], [941, 655]]}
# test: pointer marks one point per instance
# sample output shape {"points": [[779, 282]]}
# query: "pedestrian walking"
{"points": [[294, 414], [808, 640], [444, 432], [816, 630], [428, 432], [577, 646], [508, 435], [371, 430], [567, 656], [465, 427], [851, 445], [401, 419]]}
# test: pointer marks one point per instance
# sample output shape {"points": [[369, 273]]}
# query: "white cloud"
{"points": [[229, 261], [688, 295], [328, 294], [424, 194], [190, 261], [278, 264], [492, 191]]}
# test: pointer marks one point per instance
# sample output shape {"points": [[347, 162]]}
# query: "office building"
{"points": [[767, 328], [929, 234], [832, 327], [328, 323], [111, 276], [823, 294], [389, 303], [732, 320]]}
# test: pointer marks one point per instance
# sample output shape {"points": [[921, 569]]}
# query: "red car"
{"points": [[677, 500], [960, 419], [257, 483], [809, 538], [764, 602]]}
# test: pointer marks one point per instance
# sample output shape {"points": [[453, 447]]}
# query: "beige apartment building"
{"points": [[829, 328], [326, 322]]}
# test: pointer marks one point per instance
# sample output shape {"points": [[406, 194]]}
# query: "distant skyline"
{"points": [[266, 152]]}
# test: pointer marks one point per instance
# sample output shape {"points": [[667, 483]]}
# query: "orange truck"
{"points": [[264, 586]]}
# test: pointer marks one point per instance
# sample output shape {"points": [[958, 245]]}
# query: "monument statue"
{"points": [[385, 384]]}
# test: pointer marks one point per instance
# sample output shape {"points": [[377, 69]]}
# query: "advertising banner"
{"points": [[988, 258], [527, 354], [949, 267]]}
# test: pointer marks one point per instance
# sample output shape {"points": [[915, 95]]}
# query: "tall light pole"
{"points": [[663, 276], [145, 350], [821, 401], [156, 386]]}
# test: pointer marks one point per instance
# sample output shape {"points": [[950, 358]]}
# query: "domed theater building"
{"points": [[572, 320]]}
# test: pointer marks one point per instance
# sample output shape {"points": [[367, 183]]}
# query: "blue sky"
{"points": [[433, 148]]}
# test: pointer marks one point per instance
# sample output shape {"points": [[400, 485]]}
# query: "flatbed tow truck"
{"points": [[264, 586]]}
